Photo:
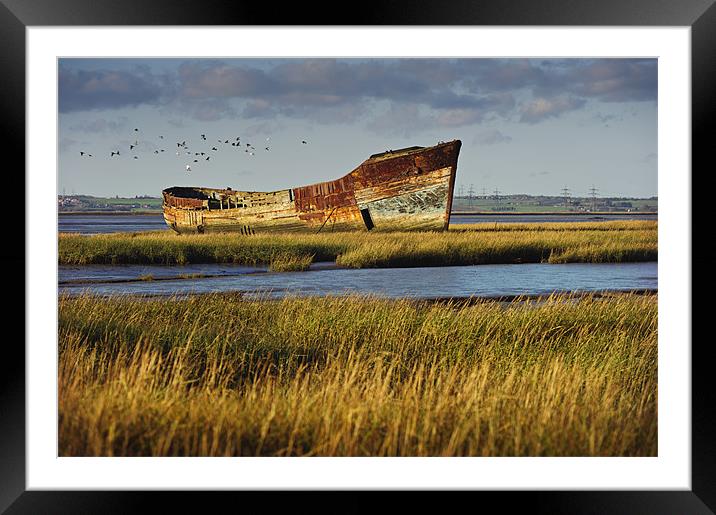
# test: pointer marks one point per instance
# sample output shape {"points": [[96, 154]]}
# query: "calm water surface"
{"points": [[326, 279], [97, 224]]}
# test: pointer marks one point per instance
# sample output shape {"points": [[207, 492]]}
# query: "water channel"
{"points": [[326, 279]]}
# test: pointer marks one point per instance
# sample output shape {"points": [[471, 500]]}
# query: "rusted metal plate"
{"points": [[408, 189]]}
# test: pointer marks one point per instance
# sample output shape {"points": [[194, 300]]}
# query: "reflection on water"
{"points": [[323, 279], [96, 224]]}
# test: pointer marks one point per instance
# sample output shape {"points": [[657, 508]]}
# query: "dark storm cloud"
{"points": [[81, 90], [446, 92]]}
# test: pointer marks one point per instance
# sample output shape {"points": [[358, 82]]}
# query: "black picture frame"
{"points": [[16, 15]]}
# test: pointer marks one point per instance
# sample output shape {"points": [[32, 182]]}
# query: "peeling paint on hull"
{"points": [[403, 190]]}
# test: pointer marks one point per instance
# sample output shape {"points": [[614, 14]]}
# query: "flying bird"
{"points": [[304, 142], [161, 137], [213, 148], [188, 168], [203, 136], [114, 153], [131, 146], [135, 157], [267, 149], [136, 130], [208, 157]]}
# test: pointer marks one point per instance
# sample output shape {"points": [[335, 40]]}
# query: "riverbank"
{"points": [[218, 375], [469, 244]]}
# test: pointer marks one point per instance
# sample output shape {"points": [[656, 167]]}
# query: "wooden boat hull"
{"points": [[405, 190]]}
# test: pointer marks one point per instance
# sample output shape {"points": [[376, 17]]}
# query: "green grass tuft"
{"points": [[461, 245]]}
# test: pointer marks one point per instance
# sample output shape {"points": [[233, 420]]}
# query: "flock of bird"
{"points": [[183, 149]]}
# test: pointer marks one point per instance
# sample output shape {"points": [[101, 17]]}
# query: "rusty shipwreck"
{"points": [[398, 190]]}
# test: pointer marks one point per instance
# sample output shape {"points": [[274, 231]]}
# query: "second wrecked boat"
{"points": [[401, 190]]}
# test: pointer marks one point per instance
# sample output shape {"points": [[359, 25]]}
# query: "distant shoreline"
{"points": [[551, 213]]}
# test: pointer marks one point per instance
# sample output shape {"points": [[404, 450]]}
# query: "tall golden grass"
{"points": [[462, 245], [218, 375]]}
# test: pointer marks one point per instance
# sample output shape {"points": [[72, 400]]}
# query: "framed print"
{"points": [[123, 394]]}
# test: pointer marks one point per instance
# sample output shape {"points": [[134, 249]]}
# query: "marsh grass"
{"points": [[462, 245], [218, 375], [290, 262]]}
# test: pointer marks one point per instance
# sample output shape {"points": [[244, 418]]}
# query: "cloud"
{"points": [[447, 92], [490, 75], [211, 110], [607, 80], [459, 117], [81, 90], [650, 158], [101, 125], [329, 91], [212, 79], [541, 109], [607, 118], [539, 174], [263, 128], [65, 144], [401, 120], [491, 137], [616, 80]]}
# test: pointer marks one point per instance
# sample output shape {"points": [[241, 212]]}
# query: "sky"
{"points": [[532, 126]]}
